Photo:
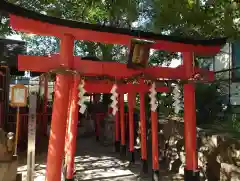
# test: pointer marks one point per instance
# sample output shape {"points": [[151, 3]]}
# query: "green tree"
{"points": [[196, 18], [110, 13]]}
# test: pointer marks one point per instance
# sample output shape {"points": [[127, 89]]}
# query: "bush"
{"points": [[209, 103]]}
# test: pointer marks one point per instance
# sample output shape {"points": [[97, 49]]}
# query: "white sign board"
{"points": [[19, 97], [31, 137]]}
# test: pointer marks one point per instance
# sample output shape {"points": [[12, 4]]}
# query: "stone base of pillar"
{"points": [[155, 175], [67, 179], [132, 157], [117, 146], [144, 166], [191, 175], [123, 150]]}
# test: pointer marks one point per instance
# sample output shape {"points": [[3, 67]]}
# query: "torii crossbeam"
{"points": [[104, 87], [112, 69]]}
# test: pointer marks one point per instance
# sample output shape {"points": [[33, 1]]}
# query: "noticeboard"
{"points": [[19, 96], [139, 53]]}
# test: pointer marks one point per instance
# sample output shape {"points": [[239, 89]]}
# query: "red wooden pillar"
{"points": [[68, 120], [143, 132], [122, 125], [131, 99], [66, 148], [59, 115], [117, 130], [191, 169], [155, 157], [72, 128]]}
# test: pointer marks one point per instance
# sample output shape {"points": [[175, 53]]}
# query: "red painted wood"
{"points": [[92, 68], [72, 125], [41, 63], [131, 100], [37, 27], [102, 87], [59, 115], [117, 125], [58, 129], [122, 119], [190, 117], [155, 149], [143, 125]]}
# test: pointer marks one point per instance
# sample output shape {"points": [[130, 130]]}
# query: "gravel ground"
{"points": [[94, 162]]}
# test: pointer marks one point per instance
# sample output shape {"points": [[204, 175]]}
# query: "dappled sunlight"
{"points": [[39, 174], [96, 162], [102, 167], [105, 163], [104, 174], [88, 158], [51, 150]]}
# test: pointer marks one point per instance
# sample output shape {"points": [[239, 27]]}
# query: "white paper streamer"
{"points": [[82, 98], [114, 99], [176, 98], [152, 95]]}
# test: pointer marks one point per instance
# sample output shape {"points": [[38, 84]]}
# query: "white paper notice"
{"points": [[19, 95]]}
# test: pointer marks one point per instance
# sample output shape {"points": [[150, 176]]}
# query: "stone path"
{"points": [[95, 162]]}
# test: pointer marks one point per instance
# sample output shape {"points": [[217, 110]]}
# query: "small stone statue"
{"points": [[10, 142]]}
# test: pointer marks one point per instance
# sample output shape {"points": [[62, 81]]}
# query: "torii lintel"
{"points": [[112, 69]]}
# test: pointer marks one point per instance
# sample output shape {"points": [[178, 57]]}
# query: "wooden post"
{"points": [[122, 125], [17, 130], [66, 147], [59, 115], [67, 135], [155, 157], [143, 132], [72, 131], [131, 99], [117, 129], [191, 169]]}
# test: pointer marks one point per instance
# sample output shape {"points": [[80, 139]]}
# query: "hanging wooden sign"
{"points": [[18, 99], [139, 53], [19, 96]]}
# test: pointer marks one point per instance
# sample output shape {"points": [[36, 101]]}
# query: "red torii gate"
{"points": [[31, 22], [102, 86]]}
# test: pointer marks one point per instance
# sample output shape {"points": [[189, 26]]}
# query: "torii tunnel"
{"points": [[66, 92]]}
